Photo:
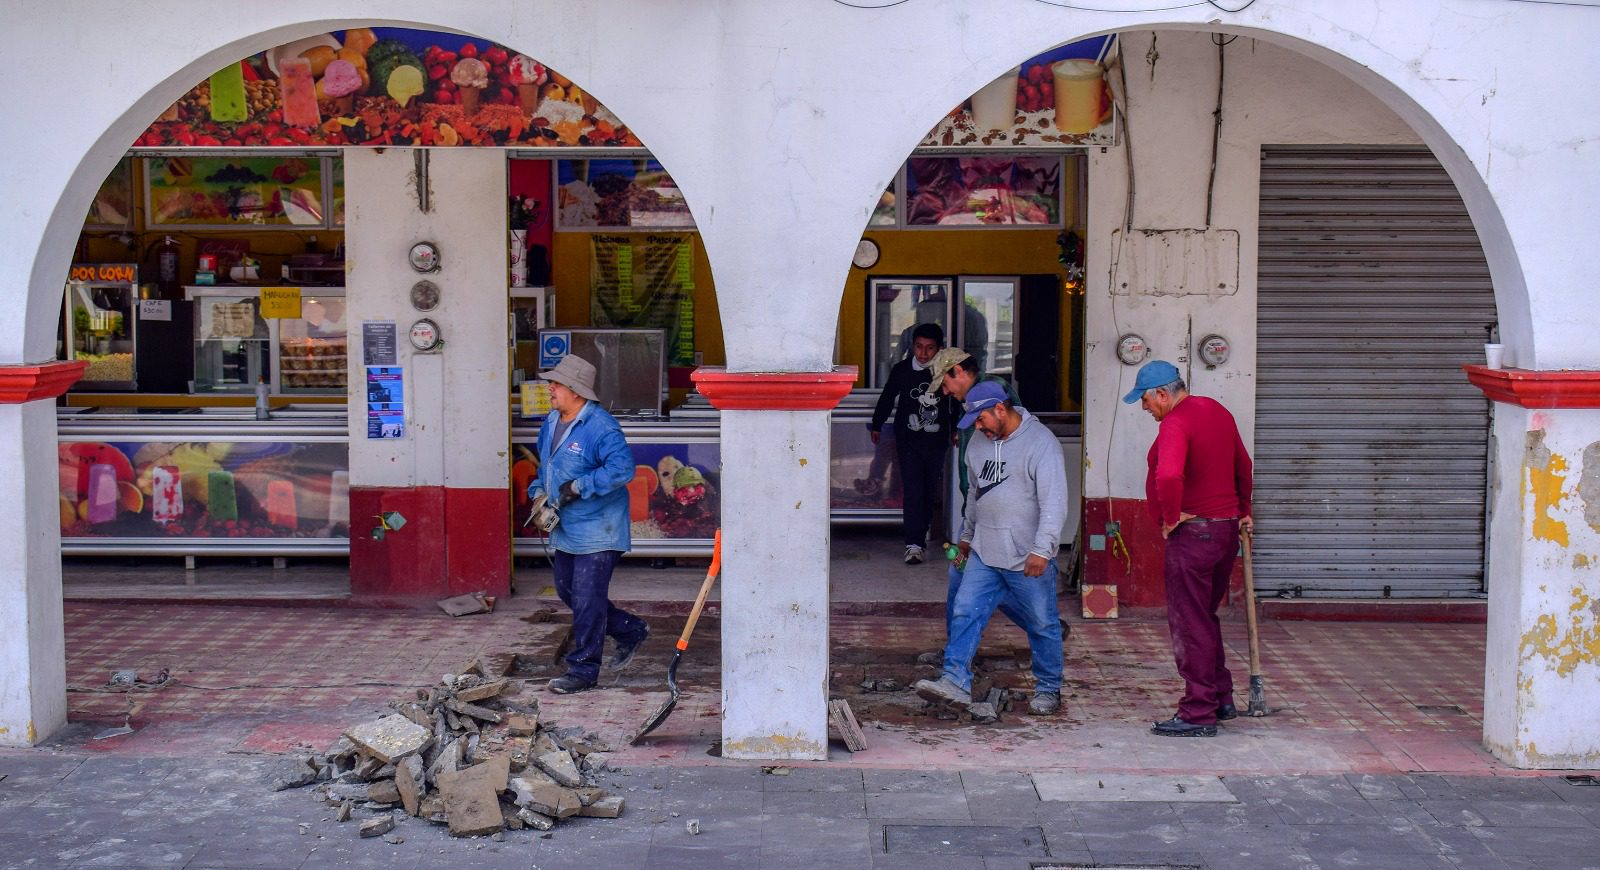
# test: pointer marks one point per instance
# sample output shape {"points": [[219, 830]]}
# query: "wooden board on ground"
{"points": [[844, 721]]}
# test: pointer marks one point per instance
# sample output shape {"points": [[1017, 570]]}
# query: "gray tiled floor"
{"points": [[82, 811]]}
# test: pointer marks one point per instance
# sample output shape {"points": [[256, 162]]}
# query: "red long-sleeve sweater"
{"points": [[1198, 464]]}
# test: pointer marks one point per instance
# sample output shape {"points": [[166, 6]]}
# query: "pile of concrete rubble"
{"points": [[466, 753]]}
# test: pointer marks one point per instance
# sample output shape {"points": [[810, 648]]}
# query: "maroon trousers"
{"points": [[1199, 560]]}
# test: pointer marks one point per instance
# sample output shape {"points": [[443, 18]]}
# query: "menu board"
{"points": [[646, 282]]}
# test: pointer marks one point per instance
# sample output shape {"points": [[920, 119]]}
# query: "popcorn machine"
{"points": [[99, 324]]}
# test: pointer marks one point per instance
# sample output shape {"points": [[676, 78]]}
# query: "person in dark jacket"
{"points": [[924, 421]]}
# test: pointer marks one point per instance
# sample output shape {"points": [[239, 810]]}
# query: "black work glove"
{"points": [[569, 493]]}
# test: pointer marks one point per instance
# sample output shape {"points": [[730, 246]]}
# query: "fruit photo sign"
{"points": [[203, 489], [674, 493], [387, 86]]}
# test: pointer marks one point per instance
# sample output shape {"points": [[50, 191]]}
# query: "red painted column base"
{"points": [[1135, 564], [30, 383], [773, 391], [455, 541], [1534, 389]]}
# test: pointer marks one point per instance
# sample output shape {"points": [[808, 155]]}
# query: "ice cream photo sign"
{"points": [[382, 86]]}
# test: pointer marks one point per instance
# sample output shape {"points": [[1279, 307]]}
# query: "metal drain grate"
{"points": [[966, 840], [1454, 709]]}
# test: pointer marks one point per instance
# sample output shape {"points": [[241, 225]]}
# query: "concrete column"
{"points": [[1542, 677], [449, 476], [776, 439], [33, 652]]}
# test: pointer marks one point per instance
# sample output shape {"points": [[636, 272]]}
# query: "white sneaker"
{"points": [[913, 554]]}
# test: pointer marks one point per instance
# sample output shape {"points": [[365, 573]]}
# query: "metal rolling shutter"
{"points": [[1371, 448]]}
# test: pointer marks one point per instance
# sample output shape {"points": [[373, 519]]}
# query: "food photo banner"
{"points": [[387, 86], [1058, 99]]}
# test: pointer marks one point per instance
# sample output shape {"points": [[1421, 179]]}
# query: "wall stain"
{"points": [[1580, 561], [1570, 646], [774, 746], [1589, 485], [1546, 477]]}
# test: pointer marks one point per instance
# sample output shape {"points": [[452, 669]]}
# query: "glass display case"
{"points": [[234, 346], [894, 308], [231, 340], [630, 366], [312, 348], [99, 324]]}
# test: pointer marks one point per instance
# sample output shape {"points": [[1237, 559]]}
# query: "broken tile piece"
{"points": [[560, 767], [472, 799], [609, 807], [483, 692], [473, 710], [377, 827], [521, 724], [465, 605], [408, 780], [389, 739], [537, 821], [551, 800]]}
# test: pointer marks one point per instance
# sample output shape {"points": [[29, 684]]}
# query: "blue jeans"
{"points": [[981, 590], [583, 581], [1008, 602]]}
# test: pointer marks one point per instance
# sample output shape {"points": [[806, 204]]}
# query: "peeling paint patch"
{"points": [[1547, 475], [802, 462], [1580, 561], [1566, 647], [1589, 485], [776, 746]]}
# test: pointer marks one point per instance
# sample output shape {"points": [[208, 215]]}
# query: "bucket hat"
{"points": [[575, 373], [944, 361]]}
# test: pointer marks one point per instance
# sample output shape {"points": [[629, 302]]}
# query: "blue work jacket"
{"points": [[594, 455]]}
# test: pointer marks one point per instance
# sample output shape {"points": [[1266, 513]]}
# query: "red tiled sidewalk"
{"points": [[1346, 697]]}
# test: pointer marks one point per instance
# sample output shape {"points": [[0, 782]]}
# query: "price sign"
{"points": [[280, 302]]}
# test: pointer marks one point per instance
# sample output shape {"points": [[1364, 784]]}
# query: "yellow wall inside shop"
{"points": [[569, 272], [947, 253]]}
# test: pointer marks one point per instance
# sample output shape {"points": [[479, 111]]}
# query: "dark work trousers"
{"points": [[1199, 560], [584, 583], [921, 469]]}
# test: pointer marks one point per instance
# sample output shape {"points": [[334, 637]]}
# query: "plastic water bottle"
{"points": [[262, 407]]}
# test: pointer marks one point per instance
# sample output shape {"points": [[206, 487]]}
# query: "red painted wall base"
{"points": [[1133, 564], [454, 541]]}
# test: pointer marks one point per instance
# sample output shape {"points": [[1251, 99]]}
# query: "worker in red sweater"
{"points": [[1198, 489]]}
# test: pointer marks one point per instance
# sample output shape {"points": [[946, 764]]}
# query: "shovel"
{"points": [[1258, 691], [661, 714]]}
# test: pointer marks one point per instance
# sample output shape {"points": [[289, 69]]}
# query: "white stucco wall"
{"points": [[33, 654], [1542, 678], [1271, 96], [459, 392]]}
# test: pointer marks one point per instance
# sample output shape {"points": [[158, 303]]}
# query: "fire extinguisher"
{"points": [[167, 267]]}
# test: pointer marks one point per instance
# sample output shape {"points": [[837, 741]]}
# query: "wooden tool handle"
{"points": [[1250, 607], [705, 590]]}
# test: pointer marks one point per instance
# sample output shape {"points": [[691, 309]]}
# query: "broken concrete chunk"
{"points": [[496, 664], [560, 767], [481, 692], [449, 759], [472, 799], [409, 780], [537, 821], [390, 739], [521, 724], [343, 815], [589, 794], [473, 710], [340, 791], [544, 744], [368, 769], [596, 763], [551, 800], [609, 807], [465, 605], [384, 791], [293, 774], [417, 713], [431, 808], [377, 827], [983, 711], [692, 826]]}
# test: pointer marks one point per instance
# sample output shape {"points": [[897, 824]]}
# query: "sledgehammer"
{"points": [[1258, 691]]}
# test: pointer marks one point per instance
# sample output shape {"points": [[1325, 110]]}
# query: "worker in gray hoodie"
{"points": [[1009, 541]]}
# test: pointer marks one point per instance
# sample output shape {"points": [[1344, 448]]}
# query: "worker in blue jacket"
{"points": [[584, 468]]}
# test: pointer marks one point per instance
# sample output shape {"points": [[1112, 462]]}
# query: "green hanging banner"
{"points": [[646, 282]]}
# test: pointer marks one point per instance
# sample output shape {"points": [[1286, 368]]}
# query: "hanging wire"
{"points": [[871, 5]]}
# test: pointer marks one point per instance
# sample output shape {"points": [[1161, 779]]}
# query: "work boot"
{"points": [[943, 690], [1044, 703], [569, 685], [1226, 712], [1176, 727], [626, 649]]}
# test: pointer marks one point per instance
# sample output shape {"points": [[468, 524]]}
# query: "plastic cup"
{"points": [[1080, 93], [1494, 355], [994, 106]]}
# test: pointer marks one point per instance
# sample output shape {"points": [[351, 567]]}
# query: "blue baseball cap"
{"points": [[982, 396], [1155, 373]]}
